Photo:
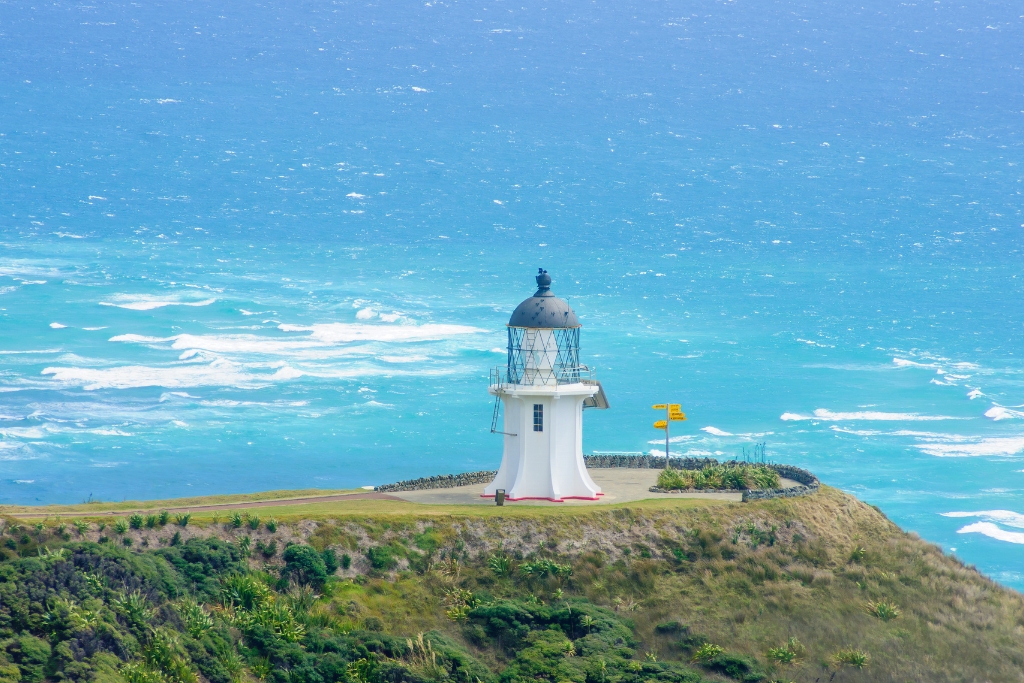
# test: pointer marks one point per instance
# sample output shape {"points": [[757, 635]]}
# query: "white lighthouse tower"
{"points": [[544, 389]]}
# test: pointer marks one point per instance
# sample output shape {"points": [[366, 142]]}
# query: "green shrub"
{"points": [[183, 518], [858, 659], [120, 526], [346, 561], [151, 521], [304, 565], [381, 558], [253, 520], [136, 521], [271, 525], [886, 610], [163, 518], [729, 476], [706, 652], [235, 520], [330, 561]]}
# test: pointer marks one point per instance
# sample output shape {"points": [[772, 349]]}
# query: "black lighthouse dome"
{"points": [[544, 309]]}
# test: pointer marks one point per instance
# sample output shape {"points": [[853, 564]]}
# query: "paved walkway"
{"points": [[620, 485]]}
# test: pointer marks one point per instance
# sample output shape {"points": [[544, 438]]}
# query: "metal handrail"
{"points": [[498, 376]]}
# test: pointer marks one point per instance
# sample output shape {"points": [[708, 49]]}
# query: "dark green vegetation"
{"points": [[731, 476], [805, 589]]}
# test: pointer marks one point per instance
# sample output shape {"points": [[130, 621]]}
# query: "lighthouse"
{"points": [[544, 389]]}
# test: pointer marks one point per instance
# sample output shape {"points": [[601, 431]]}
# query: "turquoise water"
{"points": [[277, 248]]}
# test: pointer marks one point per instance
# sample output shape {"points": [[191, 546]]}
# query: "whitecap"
{"points": [[349, 332], [415, 358], [148, 302], [904, 363], [389, 317], [94, 329], [57, 326], [218, 373], [992, 446], [356, 195], [1000, 413], [24, 481], [1005, 517], [974, 393], [993, 531], [365, 314], [715, 431], [826, 415]]}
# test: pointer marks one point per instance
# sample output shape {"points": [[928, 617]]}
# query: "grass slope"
{"points": [[805, 589]]}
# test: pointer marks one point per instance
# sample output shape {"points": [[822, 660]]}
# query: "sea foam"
{"points": [[828, 416]]}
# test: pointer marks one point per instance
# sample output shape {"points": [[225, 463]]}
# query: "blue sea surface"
{"points": [[274, 245]]}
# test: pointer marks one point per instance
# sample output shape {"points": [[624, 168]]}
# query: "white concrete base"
{"points": [[547, 464]]}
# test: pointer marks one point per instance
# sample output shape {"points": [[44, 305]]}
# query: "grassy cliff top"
{"points": [[821, 587]]}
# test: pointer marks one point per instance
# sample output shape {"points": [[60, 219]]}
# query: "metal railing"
{"points": [[557, 376]]}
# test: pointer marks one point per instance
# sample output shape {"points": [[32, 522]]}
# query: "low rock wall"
{"points": [[653, 462], [442, 481]]}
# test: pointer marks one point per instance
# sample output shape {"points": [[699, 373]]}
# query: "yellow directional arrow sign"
{"points": [[673, 413]]}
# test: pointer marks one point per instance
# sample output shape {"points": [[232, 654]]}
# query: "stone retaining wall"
{"points": [[441, 481], [653, 462]]}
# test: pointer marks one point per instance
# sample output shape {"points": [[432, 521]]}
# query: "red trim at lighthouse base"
{"points": [[553, 500]]}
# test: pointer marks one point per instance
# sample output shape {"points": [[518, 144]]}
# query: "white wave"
{"points": [[715, 431], [404, 359], [1005, 517], [390, 317], [335, 333], [1001, 413], [365, 314], [992, 446], [904, 363], [148, 302], [378, 404], [109, 432], [974, 393], [166, 396], [828, 416], [356, 195], [94, 329], [23, 433], [992, 531], [57, 326], [218, 373], [24, 481]]}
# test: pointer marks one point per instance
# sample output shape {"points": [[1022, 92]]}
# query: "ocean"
{"points": [[275, 245]]}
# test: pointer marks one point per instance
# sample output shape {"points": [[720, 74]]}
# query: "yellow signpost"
{"points": [[673, 413]]}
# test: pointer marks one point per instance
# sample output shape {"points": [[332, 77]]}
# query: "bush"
{"points": [[330, 561], [253, 520], [151, 521], [271, 525], [886, 610], [346, 561], [163, 518], [381, 558], [732, 476], [183, 518], [304, 565], [136, 521], [120, 526], [858, 659]]}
